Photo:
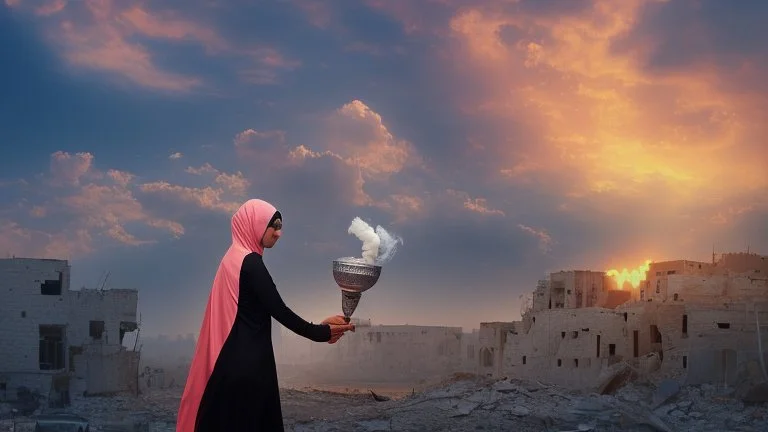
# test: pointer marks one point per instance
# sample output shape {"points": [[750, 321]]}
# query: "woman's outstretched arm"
{"points": [[258, 279]]}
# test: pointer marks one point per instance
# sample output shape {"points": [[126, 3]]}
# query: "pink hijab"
{"points": [[248, 226]]}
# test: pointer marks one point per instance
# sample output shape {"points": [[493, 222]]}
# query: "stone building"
{"points": [[694, 321], [60, 342]]}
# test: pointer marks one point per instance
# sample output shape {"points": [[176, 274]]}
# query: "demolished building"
{"points": [[696, 322], [61, 343]]}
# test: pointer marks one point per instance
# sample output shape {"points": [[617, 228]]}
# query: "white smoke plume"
{"points": [[368, 236], [379, 246], [388, 245]]}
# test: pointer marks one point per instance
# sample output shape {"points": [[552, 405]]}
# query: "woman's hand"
{"points": [[338, 327]]}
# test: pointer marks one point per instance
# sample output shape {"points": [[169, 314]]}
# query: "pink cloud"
{"points": [[87, 203], [107, 36], [68, 169], [545, 240]]}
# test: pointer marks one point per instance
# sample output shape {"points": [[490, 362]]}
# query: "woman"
{"points": [[232, 383]]}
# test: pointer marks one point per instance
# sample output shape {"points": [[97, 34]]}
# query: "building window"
{"points": [[655, 334], [625, 317], [96, 329], [574, 334], [722, 325], [612, 349], [52, 287], [598, 346], [576, 363], [562, 335], [685, 325], [685, 362], [559, 362], [51, 347], [524, 359]]}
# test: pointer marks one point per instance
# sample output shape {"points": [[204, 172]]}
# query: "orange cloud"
{"points": [[604, 125]]}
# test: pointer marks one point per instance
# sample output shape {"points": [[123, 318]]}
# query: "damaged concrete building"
{"points": [[693, 321], [388, 352], [62, 343]]}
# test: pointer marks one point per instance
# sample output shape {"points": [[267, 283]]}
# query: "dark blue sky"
{"points": [[500, 140]]}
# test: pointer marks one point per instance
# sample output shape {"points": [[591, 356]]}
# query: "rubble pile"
{"points": [[465, 403], [476, 404]]}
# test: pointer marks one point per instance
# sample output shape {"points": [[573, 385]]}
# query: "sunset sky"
{"points": [[501, 139]]}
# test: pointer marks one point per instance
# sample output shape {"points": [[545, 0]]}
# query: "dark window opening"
{"points": [[3, 386], [612, 349], [569, 292], [559, 362], [524, 359], [23, 314], [51, 347], [52, 287], [671, 272], [685, 362], [685, 325], [675, 297], [550, 303], [574, 334], [562, 335], [96, 329], [655, 334], [575, 363], [636, 343], [724, 325], [625, 317], [585, 329], [598, 346], [534, 319]]}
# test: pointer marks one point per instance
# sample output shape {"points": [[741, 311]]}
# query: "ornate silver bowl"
{"points": [[357, 277], [353, 278]]}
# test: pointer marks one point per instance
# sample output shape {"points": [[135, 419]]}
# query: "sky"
{"points": [[501, 139]]}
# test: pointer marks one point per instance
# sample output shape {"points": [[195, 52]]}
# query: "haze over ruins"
{"points": [[565, 204]]}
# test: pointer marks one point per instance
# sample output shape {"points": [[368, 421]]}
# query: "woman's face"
{"points": [[272, 234]]}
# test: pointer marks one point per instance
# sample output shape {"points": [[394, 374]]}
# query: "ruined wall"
{"points": [[655, 287], [395, 352], [741, 263], [32, 293], [493, 338], [575, 288], [541, 296], [567, 347], [50, 326], [113, 312], [706, 288]]}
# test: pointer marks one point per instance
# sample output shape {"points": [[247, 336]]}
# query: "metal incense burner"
{"points": [[353, 278]]}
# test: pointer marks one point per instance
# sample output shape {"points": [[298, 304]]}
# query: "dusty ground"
{"points": [[463, 404]]}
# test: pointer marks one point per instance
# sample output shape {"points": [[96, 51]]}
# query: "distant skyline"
{"points": [[501, 139]]}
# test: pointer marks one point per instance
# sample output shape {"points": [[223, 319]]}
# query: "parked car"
{"points": [[61, 423]]}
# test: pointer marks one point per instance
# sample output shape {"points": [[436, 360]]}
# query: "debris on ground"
{"points": [[464, 403]]}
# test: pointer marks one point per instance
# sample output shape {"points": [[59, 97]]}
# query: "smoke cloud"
{"points": [[388, 245], [368, 236], [379, 246]]}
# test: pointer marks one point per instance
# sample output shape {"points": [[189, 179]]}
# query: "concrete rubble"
{"points": [[465, 403]]}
